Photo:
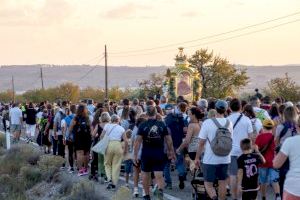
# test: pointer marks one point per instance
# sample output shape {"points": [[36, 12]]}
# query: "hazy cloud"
{"points": [[49, 13], [128, 10]]}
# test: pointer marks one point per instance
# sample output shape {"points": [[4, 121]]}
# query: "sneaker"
{"points": [[144, 193], [71, 170], [111, 187], [85, 171], [80, 172], [62, 168], [127, 185], [136, 192], [146, 197], [277, 198], [155, 187]]}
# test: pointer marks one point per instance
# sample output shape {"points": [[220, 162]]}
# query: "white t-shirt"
{"points": [[15, 115], [258, 110], [115, 131], [242, 130], [290, 148], [208, 132]]}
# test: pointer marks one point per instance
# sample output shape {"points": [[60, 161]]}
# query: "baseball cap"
{"points": [[169, 107], [220, 104], [268, 123]]}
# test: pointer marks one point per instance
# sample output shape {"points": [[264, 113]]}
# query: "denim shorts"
{"points": [[211, 173], [128, 166], [268, 175]]}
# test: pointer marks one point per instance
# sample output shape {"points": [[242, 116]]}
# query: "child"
{"points": [[248, 170], [266, 145], [128, 158]]}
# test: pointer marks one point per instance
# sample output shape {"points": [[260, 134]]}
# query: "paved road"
{"points": [[174, 194]]}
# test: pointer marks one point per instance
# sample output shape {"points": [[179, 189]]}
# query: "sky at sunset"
{"points": [[75, 31]]}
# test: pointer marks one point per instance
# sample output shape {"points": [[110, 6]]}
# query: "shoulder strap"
{"points": [[237, 121], [265, 148], [111, 130], [215, 121], [283, 131]]}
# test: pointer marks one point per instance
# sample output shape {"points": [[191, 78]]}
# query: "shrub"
{"points": [[66, 182], [17, 157], [2, 141], [49, 165], [84, 190], [122, 194], [30, 176], [11, 188]]}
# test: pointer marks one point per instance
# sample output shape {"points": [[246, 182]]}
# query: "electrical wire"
{"points": [[209, 36], [215, 41], [92, 69]]}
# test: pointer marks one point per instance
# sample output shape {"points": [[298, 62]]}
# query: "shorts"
{"points": [[211, 173], [152, 165], [15, 128], [251, 195], [30, 130], [268, 175], [233, 166], [128, 166]]}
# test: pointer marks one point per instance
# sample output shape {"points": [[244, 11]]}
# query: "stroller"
{"points": [[198, 186]]}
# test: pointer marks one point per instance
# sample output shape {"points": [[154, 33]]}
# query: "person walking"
{"points": [[81, 128], [114, 153], [16, 118], [242, 128], [30, 122], [215, 165], [153, 134], [290, 151]]}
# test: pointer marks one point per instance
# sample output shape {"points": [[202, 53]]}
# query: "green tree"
{"points": [[218, 77], [6, 96], [283, 87], [152, 86]]}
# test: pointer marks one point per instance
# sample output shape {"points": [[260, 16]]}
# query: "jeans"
{"points": [[58, 146], [167, 173], [180, 167]]}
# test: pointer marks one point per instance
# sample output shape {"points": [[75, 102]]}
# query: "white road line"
{"points": [[168, 196]]}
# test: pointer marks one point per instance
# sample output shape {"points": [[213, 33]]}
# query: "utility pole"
{"points": [[13, 88], [106, 87], [42, 78]]}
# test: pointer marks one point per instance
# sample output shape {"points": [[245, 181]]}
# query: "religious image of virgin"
{"points": [[183, 85]]}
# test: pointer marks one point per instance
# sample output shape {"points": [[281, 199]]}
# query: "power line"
{"points": [[209, 36], [92, 69], [215, 41]]}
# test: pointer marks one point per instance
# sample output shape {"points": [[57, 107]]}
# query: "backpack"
{"points": [[81, 127], [68, 119], [61, 116], [261, 115], [6, 115], [221, 145]]}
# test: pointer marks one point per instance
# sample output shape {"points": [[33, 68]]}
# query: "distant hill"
{"points": [[28, 77]]}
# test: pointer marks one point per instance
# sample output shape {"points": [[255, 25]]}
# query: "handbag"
{"points": [[102, 145]]}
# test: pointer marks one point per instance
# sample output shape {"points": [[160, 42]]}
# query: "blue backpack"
{"points": [[69, 136]]}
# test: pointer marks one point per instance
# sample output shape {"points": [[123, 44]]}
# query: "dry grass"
{"points": [[84, 190], [49, 165]]}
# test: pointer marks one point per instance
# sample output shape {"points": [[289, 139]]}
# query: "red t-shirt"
{"points": [[261, 141]]}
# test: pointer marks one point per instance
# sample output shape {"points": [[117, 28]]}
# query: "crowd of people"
{"points": [[240, 147]]}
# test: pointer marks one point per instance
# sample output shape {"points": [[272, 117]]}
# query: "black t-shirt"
{"points": [[249, 164], [153, 133], [30, 116]]}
